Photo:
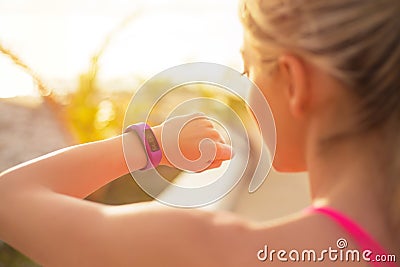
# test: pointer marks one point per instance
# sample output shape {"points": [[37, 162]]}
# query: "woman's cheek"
{"points": [[261, 108]]}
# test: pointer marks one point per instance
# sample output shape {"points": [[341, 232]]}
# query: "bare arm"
{"points": [[76, 171], [41, 215]]}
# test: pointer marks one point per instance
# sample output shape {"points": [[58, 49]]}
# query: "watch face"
{"points": [[151, 139]]}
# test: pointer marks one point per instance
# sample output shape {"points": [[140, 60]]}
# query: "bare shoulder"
{"points": [[163, 236], [229, 240]]}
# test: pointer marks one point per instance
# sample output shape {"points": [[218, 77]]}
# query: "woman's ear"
{"points": [[296, 85]]}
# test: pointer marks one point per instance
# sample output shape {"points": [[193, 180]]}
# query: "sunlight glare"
{"points": [[58, 41]]}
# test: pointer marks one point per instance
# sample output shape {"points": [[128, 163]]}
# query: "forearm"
{"points": [[41, 215], [76, 171]]}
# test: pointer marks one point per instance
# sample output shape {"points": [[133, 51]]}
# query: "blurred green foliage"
{"points": [[92, 114], [10, 257]]}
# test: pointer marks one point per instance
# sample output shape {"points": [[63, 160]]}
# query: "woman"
{"points": [[329, 69]]}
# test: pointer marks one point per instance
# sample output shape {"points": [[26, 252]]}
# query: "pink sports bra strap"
{"points": [[363, 239]]}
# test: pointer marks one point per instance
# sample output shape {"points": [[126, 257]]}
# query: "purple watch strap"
{"points": [[149, 142]]}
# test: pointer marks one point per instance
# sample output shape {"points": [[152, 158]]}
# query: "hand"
{"points": [[191, 143]]}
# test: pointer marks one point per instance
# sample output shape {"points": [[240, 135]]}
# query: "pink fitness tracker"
{"points": [[149, 142]]}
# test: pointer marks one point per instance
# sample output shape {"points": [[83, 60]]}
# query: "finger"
{"points": [[206, 123], [213, 134], [223, 152], [200, 119], [195, 116], [213, 165], [216, 136], [222, 139]]}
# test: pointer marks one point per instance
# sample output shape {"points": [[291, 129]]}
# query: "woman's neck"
{"points": [[353, 174]]}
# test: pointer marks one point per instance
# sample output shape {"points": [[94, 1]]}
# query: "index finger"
{"points": [[223, 152]]}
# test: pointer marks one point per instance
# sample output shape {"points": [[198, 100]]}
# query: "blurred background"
{"points": [[68, 70]]}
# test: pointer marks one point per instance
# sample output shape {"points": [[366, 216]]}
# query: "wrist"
{"points": [[157, 130], [149, 143], [137, 155]]}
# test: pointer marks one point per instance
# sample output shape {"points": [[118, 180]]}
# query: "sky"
{"points": [[58, 38]]}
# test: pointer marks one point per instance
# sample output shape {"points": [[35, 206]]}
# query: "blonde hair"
{"points": [[357, 41]]}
